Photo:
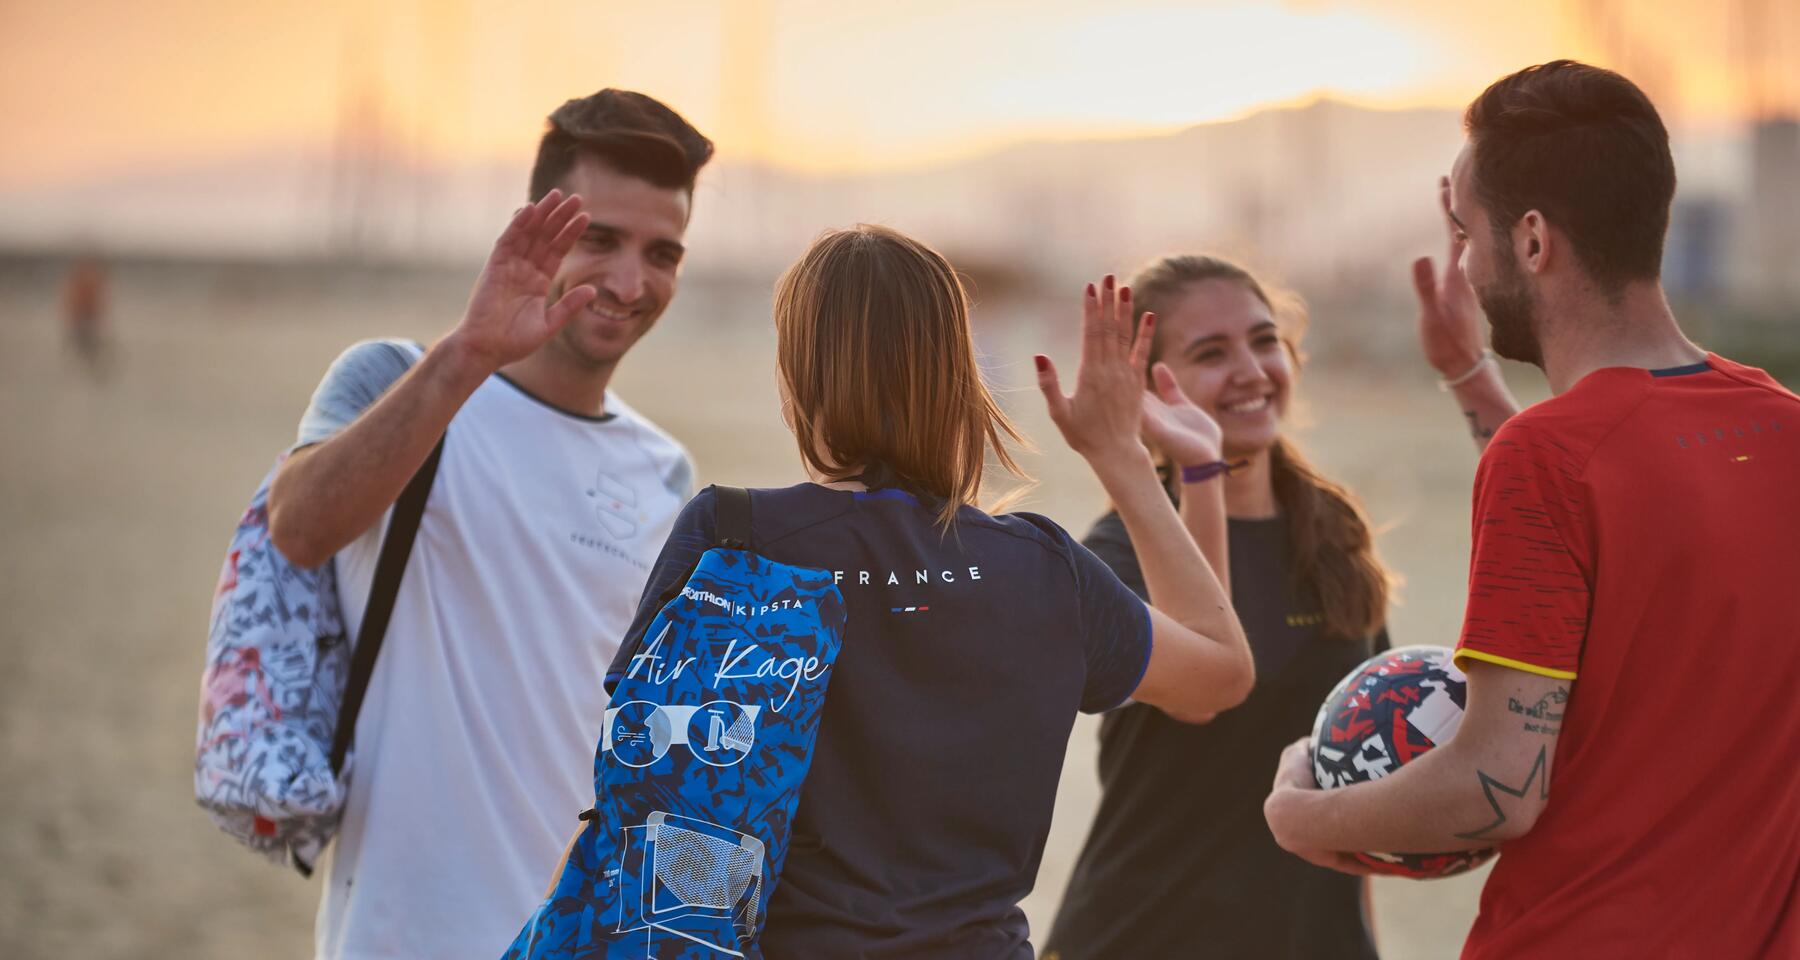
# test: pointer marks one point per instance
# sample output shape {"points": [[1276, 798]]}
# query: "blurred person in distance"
{"points": [[84, 312]]}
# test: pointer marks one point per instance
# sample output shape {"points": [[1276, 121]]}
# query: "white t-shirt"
{"points": [[474, 748]]}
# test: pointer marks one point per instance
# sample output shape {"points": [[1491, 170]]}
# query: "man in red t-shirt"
{"points": [[1633, 622]]}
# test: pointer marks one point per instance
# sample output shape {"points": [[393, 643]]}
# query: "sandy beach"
{"points": [[118, 496]]}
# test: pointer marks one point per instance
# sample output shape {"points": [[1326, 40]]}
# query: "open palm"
{"points": [[1111, 410], [1102, 418], [1449, 316], [1176, 425], [509, 315]]}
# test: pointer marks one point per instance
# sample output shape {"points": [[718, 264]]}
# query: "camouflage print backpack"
{"points": [[283, 683]]}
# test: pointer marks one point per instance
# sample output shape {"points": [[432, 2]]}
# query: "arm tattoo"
{"points": [[1545, 716], [1480, 432], [1491, 787]]}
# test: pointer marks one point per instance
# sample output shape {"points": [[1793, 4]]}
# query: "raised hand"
{"points": [[1102, 419], [1176, 425], [1449, 318], [508, 316]]}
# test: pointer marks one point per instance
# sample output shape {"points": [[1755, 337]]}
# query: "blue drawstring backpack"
{"points": [[707, 741]]}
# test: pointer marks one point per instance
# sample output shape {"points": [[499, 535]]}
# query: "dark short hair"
{"points": [[1586, 148], [634, 134]]}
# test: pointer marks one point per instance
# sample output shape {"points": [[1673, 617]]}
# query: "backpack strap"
{"points": [[731, 517], [395, 549]]}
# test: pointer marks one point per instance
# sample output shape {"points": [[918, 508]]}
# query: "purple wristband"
{"points": [[1200, 473]]}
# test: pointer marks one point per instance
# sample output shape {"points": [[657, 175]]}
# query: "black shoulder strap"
{"points": [[395, 548], [731, 517]]}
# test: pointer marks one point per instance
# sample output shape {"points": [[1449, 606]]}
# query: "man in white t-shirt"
{"points": [[551, 502]]}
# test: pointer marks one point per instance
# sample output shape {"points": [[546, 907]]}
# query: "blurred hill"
{"points": [[1328, 198], [1318, 192]]}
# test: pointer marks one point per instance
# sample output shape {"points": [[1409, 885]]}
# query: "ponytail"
{"points": [[1330, 548]]}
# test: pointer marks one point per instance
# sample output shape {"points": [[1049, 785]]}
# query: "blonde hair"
{"points": [[1330, 546], [874, 348]]}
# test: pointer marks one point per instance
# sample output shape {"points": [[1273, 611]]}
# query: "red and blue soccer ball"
{"points": [[1395, 706]]}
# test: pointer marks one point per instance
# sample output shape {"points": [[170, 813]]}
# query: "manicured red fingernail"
{"points": [[1043, 362], [1124, 293], [1090, 290], [1149, 320], [1109, 281]]}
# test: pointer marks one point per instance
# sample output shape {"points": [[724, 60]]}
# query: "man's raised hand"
{"points": [[1449, 318], [509, 315]]}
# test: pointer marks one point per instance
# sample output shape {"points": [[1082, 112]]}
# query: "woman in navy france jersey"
{"points": [[1179, 862], [972, 639]]}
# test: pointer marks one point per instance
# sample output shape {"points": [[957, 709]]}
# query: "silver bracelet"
{"points": [[1487, 357]]}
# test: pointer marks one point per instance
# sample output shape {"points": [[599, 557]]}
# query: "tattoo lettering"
{"points": [[1480, 432], [1545, 715], [1494, 789], [1545, 708]]}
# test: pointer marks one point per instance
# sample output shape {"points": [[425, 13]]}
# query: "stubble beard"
{"points": [[572, 345], [1512, 312]]}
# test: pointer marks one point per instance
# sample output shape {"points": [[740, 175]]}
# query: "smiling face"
{"points": [[631, 253], [1220, 341]]}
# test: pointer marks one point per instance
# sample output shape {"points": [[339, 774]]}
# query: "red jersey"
{"points": [[1640, 535]]}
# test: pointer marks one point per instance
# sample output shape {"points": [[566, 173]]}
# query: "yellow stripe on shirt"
{"points": [[1462, 652]]}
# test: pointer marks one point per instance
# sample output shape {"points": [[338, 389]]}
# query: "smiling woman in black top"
{"points": [[1179, 862]]}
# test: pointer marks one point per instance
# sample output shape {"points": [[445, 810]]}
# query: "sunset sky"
{"points": [[104, 86]]}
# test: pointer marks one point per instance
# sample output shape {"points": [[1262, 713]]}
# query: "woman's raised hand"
{"points": [[1101, 421], [1176, 425]]}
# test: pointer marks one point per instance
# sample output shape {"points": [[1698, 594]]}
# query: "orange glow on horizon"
{"points": [[816, 86]]}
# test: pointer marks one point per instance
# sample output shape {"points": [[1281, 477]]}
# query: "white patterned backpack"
{"points": [[283, 683]]}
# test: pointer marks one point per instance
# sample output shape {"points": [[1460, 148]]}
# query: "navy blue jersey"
{"points": [[966, 655]]}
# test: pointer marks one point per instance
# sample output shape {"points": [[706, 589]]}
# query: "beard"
{"points": [[579, 349], [1511, 310]]}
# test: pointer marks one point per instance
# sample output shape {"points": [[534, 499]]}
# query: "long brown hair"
{"points": [[1331, 551], [875, 351]]}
